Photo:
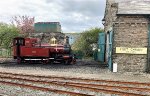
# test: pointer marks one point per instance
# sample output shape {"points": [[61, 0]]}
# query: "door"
{"points": [[110, 47], [148, 61]]}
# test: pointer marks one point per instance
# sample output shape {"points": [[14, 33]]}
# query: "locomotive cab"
{"points": [[18, 41]]}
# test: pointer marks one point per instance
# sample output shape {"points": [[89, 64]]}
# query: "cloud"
{"points": [[74, 15], [85, 7]]}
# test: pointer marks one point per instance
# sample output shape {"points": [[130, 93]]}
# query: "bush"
{"points": [[7, 33], [86, 41]]}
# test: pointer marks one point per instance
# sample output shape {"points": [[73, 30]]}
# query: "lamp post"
{"points": [[103, 21]]}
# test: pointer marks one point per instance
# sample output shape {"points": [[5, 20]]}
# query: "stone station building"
{"points": [[129, 20]]}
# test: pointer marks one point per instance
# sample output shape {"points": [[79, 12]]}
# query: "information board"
{"points": [[127, 50]]}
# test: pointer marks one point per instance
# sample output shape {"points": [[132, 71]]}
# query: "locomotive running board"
{"points": [[51, 58], [38, 59], [34, 59]]}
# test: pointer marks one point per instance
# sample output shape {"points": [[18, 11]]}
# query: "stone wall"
{"points": [[132, 32], [110, 14], [48, 36], [109, 17]]}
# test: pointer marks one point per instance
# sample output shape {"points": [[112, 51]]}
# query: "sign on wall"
{"points": [[127, 50]]}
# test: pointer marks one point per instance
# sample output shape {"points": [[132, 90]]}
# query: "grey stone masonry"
{"points": [[48, 36], [130, 31], [110, 14]]}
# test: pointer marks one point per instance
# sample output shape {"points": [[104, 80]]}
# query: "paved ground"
{"points": [[84, 69]]}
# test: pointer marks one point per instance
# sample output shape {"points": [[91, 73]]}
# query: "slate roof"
{"points": [[140, 7]]}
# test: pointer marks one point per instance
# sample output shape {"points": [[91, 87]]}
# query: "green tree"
{"points": [[7, 33], [84, 44]]}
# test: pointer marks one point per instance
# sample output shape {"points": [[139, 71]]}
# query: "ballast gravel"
{"points": [[83, 69]]}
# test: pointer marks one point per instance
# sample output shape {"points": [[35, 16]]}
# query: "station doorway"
{"points": [[105, 46], [148, 53]]}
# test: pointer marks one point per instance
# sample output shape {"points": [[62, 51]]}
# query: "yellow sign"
{"points": [[127, 50]]}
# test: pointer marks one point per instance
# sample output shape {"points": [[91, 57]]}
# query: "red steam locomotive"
{"points": [[29, 50]]}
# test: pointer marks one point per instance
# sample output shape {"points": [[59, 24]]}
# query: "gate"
{"points": [[101, 47], [105, 48], [109, 49]]}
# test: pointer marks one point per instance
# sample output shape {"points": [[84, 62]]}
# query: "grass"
{"points": [[5, 53]]}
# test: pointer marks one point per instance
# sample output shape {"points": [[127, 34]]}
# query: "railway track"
{"points": [[91, 86]]}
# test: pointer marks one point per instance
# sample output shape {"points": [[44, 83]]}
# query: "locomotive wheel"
{"points": [[73, 61], [45, 61], [67, 62], [19, 60], [51, 61]]}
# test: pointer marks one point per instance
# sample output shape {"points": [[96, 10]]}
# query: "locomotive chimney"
{"points": [[66, 40], [42, 37]]}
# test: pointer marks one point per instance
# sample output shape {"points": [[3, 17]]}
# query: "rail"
{"points": [[82, 84]]}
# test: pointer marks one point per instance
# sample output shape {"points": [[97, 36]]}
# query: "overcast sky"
{"points": [[74, 15]]}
